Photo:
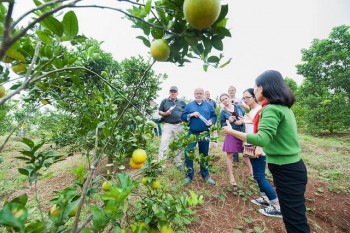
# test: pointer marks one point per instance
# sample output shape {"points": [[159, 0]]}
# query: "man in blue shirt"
{"points": [[200, 115]]}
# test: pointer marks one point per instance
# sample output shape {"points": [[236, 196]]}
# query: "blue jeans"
{"points": [[259, 166], [203, 149]]}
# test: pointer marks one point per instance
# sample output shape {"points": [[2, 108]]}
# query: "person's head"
{"points": [[225, 99], [231, 92], [199, 94], [271, 86], [173, 92], [207, 95], [249, 97]]}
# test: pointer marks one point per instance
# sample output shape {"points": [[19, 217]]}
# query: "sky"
{"points": [[266, 35]]}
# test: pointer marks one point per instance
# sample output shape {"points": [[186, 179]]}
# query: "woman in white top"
{"points": [[268, 195]]}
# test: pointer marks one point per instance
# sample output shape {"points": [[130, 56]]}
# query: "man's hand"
{"points": [[209, 123], [195, 114]]}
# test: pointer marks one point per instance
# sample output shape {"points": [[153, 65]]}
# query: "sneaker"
{"points": [[261, 201], [271, 211], [187, 181], [210, 181]]}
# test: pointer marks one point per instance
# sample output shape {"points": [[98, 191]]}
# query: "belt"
{"points": [[174, 123]]}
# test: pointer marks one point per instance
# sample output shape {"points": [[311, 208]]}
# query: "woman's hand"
{"points": [[246, 119], [228, 128], [231, 119], [258, 151], [238, 122]]}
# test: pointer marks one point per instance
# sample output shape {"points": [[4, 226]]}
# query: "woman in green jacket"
{"points": [[277, 134]]}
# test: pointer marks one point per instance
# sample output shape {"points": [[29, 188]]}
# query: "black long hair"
{"points": [[251, 92], [275, 90]]}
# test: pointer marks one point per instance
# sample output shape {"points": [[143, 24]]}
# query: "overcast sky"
{"points": [[266, 34]]}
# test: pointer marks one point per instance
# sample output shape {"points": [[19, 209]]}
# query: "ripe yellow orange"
{"points": [[201, 14], [54, 211], [106, 186], [155, 184], [160, 50], [135, 165], [2, 91], [166, 229], [139, 156], [19, 69]]}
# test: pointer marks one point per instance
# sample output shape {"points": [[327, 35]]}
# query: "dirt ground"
{"points": [[226, 211], [327, 211]]}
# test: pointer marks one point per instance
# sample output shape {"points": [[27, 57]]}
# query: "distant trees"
{"points": [[324, 95]]}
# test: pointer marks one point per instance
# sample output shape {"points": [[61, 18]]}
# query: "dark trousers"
{"points": [[290, 181], [203, 147]]}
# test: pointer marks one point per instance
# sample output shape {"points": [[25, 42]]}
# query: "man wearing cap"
{"points": [[171, 109]]}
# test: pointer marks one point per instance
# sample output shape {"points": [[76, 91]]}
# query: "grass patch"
{"points": [[327, 160]]}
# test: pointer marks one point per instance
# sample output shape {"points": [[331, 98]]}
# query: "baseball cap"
{"points": [[173, 88]]}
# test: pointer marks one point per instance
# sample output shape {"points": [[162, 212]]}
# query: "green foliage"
{"points": [[164, 19], [291, 84], [325, 92], [35, 160], [6, 118]]}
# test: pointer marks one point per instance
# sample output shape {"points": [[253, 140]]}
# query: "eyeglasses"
{"points": [[173, 91], [248, 97]]}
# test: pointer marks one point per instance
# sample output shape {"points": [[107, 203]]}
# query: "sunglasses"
{"points": [[173, 91]]}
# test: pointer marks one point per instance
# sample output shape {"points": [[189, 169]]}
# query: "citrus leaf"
{"points": [[144, 40], [44, 37], [14, 54], [223, 13], [217, 43], [70, 25], [213, 59], [53, 25]]}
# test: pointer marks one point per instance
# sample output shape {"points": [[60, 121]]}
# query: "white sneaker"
{"points": [[261, 201], [271, 211]]}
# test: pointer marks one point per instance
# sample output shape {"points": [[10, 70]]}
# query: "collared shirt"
{"points": [[175, 116], [205, 109]]}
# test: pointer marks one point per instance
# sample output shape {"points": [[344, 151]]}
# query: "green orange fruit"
{"points": [[54, 211], [2, 91], [106, 186], [155, 184], [166, 229], [201, 14], [19, 69], [160, 50], [44, 101], [144, 180], [73, 211]]}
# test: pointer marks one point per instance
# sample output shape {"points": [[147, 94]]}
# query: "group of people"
{"points": [[263, 119]]}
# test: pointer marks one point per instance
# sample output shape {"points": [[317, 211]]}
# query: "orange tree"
{"points": [[90, 88]]}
